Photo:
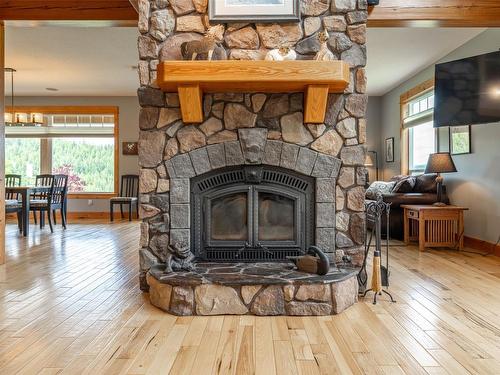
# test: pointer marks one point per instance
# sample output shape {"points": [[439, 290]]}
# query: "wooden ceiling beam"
{"points": [[135, 4], [67, 10], [389, 13], [435, 13]]}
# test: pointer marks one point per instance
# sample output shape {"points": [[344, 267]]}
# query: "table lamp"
{"points": [[369, 162], [440, 162]]}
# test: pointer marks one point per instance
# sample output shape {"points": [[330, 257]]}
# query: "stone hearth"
{"points": [[249, 129], [251, 288]]}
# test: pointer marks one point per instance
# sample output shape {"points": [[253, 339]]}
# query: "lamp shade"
{"points": [[8, 117], [440, 162], [368, 160], [36, 118], [21, 117]]}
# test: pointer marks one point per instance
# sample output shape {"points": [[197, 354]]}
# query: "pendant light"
{"points": [[20, 118]]}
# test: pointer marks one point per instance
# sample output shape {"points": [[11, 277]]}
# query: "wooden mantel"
{"points": [[192, 78]]}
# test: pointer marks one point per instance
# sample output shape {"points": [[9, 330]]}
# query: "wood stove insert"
{"points": [[252, 213]]}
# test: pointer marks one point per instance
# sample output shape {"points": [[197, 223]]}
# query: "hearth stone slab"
{"points": [[252, 288]]}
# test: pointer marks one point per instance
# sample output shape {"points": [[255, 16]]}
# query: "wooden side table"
{"points": [[434, 226]]}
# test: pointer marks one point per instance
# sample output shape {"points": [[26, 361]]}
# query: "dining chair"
{"points": [[60, 198], [10, 181], [129, 195], [12, 204], [41, 198], [55, 200]]}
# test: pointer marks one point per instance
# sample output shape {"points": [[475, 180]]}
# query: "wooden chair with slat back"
{"points": [[10, 181], [129, 195], [12, 204], [59, 198], [55, 200], [40, 199]]}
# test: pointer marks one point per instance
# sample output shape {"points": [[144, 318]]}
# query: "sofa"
{"points": [[402, 190]]}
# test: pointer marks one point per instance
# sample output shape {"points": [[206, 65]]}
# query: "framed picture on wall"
{"points": [[389, 150], [460, 140], [254, 10], [129, 148]]}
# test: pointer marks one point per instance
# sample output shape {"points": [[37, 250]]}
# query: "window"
{"points": [[82, 145], [419, 135], [22, 156], [89, 163], [421, 144]]}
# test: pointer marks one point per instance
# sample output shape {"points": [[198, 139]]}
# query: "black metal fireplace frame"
{"points": [[252, 180]]}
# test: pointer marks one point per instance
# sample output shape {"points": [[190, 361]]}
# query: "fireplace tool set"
{"points": [[380, 271]]}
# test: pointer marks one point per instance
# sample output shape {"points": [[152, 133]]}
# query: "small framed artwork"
{"points": [[130, 148], [389, 150], [254, 10], [460, 140]]}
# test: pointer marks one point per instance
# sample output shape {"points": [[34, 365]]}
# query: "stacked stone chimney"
{"points": [[171, 152]]}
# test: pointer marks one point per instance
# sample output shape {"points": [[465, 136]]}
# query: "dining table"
{"points": [[25, 192]]}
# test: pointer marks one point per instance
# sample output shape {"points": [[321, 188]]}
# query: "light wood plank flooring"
{"points": [[70, 304]]}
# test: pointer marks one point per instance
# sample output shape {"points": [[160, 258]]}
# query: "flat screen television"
{"points": [[467, 91]]}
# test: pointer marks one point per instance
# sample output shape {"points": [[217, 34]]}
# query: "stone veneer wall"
{"points": [[170, 151]]}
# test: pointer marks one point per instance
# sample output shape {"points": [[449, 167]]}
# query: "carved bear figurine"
{"points": [[178, 260]]}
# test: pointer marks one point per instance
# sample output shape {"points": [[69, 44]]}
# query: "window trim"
{"points": [[75, 110], [404, 99]]}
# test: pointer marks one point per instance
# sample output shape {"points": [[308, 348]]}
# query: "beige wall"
{"points": [[477, 183], [128, 128]]}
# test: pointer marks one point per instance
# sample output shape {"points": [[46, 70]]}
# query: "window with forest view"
{"points": [[88, 162], [80, 146], [22, 156]]}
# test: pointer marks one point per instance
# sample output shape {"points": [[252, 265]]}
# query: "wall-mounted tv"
{"points": [[467, 91]]}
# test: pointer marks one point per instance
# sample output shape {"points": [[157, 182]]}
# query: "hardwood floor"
{"points": [[70, 304]]}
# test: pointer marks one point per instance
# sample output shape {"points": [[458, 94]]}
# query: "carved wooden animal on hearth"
{"points": [[324, 54], [315, 261], [178, 259], [190, 50], [281, 54]]}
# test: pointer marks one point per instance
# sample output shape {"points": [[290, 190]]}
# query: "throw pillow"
{"points": [[426, 183], [398, 177], [405, 185], [379, 187]]}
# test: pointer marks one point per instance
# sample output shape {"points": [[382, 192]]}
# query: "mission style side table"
{"points": [[434, 226]]}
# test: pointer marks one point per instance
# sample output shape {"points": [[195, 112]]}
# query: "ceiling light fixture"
{"points": [[20, 118]]}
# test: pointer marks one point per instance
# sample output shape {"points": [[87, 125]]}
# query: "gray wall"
{"points": [[477, 183], [128, 132], [373, 128]]}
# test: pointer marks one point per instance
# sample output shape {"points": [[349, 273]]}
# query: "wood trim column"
{"points": [[2, 145], [46, 155]]}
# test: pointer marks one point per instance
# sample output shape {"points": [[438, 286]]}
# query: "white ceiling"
{"points": [[98, 61], [77, 61], [396, 54]]}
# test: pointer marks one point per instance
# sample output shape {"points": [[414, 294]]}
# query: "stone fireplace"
{"points": [[253, 184]]}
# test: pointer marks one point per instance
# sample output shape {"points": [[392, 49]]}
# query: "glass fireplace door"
{"points": [[228, 220], [277, 219]]}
